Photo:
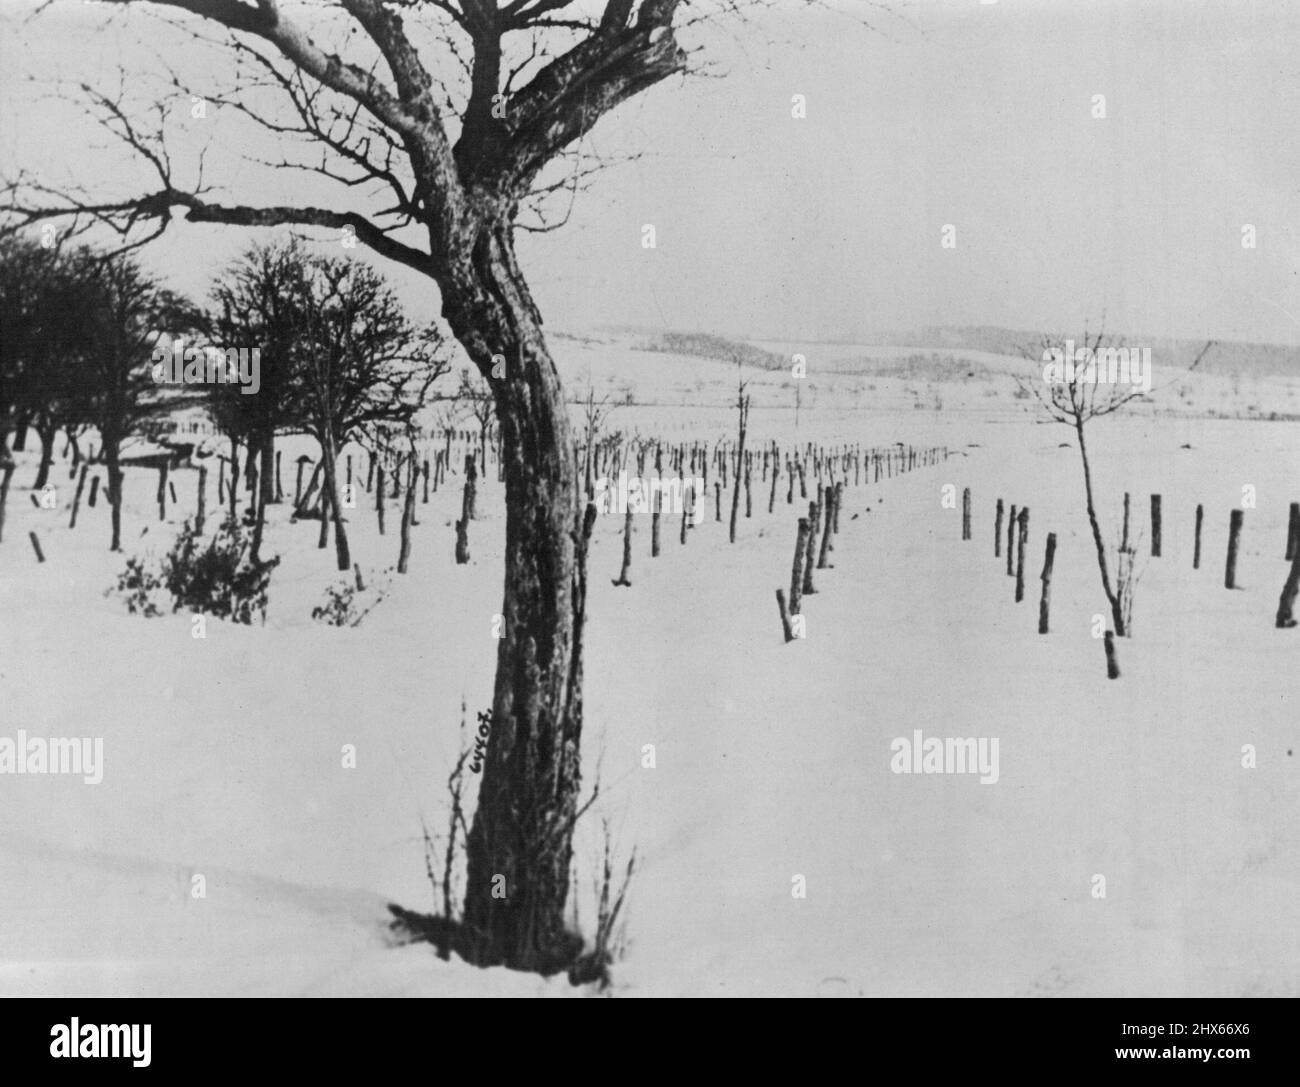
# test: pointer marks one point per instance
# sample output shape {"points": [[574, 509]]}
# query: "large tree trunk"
{"points": [[520, 844]]}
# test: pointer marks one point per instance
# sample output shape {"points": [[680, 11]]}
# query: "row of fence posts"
{"points": [[1017, 524], [824, 519]]}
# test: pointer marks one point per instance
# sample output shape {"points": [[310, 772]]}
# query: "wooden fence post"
{"points": [[76, 501], [6, 476], [787, 626], [654, 522], [1020, 560], [827, 528], [814, 518], [1286, 605], [162, 491], [796, 571], [1045, 601], [466, 504], [1011, 540], [1234, 542], [203, 498], [623, 578], [1112, 662]]}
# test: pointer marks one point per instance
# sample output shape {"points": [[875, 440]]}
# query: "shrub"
{"points": [[217, 579], [341, 600], [339, 609], [137, 584]]}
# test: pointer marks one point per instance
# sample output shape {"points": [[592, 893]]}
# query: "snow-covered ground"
{"points": [[223, 755]]}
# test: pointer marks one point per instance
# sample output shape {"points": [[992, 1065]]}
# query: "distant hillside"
{"points": [[1226, 357], [706, 346]]}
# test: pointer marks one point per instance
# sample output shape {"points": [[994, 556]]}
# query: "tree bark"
{"points": [[527, 805]]}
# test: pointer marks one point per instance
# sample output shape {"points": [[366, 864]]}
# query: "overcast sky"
{"points": [[946, 112]]}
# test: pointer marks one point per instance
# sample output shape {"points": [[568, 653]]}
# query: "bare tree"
{"points": [[595, 412], [1068, 389], [253, 304], [125, 311], [458, 136], [44, 322], [742, 427], [362, 365]]}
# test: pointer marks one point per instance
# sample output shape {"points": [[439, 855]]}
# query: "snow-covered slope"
{"points": [[223, 755]]}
